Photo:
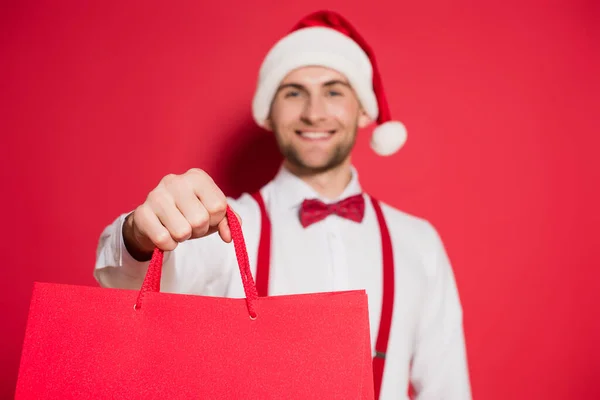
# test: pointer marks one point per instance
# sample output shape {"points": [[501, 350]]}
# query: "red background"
{"points": [[500, 100]]}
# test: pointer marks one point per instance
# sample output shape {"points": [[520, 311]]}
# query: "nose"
{"points": [[314, 110]]}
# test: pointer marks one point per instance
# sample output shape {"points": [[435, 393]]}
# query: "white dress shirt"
{"points": [[331, 255]]}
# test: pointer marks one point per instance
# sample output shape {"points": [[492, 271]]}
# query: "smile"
{"points": [[315, 135]]}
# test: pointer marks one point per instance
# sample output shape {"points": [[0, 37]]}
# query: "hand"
{"points": [[180, 208]]}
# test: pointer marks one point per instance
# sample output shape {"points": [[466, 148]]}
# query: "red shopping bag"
{"points": [[91, 342]]}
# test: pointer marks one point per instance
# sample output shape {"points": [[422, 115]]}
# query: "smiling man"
{"points": [[315, 116], [317, 87]]}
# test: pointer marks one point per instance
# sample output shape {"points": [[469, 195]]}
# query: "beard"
{"points": [[339, 154]]}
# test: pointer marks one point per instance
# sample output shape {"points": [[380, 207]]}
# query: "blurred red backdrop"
{"points": [[99, 101]]}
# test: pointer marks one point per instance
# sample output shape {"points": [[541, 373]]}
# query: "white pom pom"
{"points": [[388, 138]]}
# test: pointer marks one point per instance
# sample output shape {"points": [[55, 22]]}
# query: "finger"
{"points": [[225, 229], [211, 196], [149, 227], [192, 210], [169, 215]]}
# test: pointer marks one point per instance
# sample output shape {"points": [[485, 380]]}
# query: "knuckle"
{"points": [[162, 239], [159, 199], [167, 181], [141, 215], [170, 247], [181, 234], [166, 244], [154, 196], [199, 220], [141, 209], [139, 212], [196, 172], [170, 183], [200, 231], [217, 207], [144, 210], [199, 178], [169, 178]]}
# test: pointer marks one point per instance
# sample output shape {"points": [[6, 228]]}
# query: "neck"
{"points": [[330, 183]]}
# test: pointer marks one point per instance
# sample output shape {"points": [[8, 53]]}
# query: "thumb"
{"points": [[224, 228]]}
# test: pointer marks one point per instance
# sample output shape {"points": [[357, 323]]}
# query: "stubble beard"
{"points": [[337, 157]]}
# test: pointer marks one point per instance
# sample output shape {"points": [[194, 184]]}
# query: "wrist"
{"points": [[133, 244]]}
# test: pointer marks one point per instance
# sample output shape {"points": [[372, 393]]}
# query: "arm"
{"points": [[203, 266], [440, 367], [180, 208], [115, 266]]}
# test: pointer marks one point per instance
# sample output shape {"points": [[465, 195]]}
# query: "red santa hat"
{"points": [[325, 38]]}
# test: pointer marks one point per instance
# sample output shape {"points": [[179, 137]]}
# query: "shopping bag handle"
{"points": [[153, 275]]}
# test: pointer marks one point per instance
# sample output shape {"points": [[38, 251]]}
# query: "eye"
{"points": [[292, 93], [334, 93]]}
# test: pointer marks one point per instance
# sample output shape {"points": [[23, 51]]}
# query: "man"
{"points": [[317, 87]]}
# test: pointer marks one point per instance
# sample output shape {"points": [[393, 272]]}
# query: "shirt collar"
{"points": [[291, 191]]}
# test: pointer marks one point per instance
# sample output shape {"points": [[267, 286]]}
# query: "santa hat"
{"points": [[325, 38]]}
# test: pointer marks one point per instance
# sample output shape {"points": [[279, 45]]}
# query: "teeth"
{"points": [[315, 135]]}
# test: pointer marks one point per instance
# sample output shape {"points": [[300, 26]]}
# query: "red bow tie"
{"points": [[314, 210]]}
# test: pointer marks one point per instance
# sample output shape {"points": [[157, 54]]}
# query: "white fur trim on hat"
{"points": [[314, 46], [388, 138]]}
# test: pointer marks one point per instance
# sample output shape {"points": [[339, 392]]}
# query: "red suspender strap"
{"points": [[263, 260], [262, 281], [387, 306]]}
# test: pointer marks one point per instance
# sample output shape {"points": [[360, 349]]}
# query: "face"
{"points": [[315, 116]]}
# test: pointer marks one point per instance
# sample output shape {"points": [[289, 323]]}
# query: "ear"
{"points": [[363, 119]]}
